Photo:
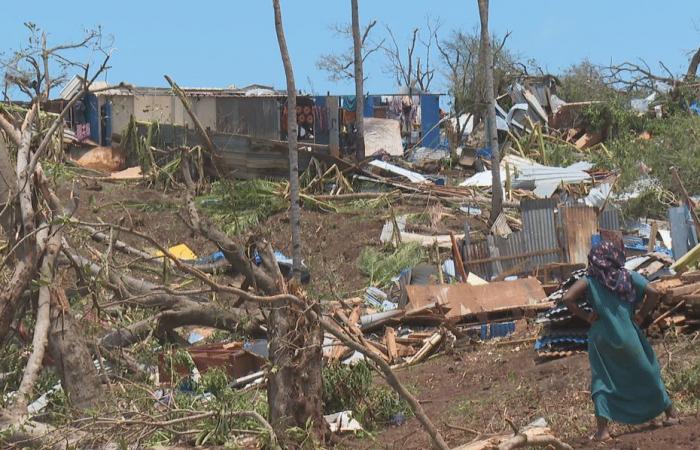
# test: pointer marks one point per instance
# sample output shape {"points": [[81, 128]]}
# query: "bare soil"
{"points": [[474, 390]]}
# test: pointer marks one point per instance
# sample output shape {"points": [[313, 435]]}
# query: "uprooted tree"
{"points": [[33, 221]]}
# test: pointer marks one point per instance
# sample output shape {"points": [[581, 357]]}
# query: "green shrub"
{"points": [[352, 387]]}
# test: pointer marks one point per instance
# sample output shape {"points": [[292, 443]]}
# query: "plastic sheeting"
{"points": [[383, 135]]}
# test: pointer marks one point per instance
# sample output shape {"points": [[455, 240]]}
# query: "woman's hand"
{"points": [[639, 319], [592, 317]]}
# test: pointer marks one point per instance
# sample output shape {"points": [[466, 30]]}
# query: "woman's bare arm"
{"points": [[651, 299], [576, 291]]}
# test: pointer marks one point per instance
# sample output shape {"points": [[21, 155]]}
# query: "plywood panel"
{"points": [[580, 223]]}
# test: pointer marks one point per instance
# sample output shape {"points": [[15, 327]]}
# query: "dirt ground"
{"points": [[471, 390], [474, 390]]}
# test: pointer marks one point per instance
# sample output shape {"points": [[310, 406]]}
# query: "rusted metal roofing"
{"points": [[580, 223]]}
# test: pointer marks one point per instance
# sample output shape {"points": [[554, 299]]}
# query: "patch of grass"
{"points": [[353, 388], [381, 266], [684, 384], [238, 206]]}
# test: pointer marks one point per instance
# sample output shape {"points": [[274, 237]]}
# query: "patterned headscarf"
{"points": [[606, 263]]}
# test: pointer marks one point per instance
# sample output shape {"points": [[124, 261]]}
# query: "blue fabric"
{"points": [[349, 102], [484, 152], [626, 383], [695, 108]]}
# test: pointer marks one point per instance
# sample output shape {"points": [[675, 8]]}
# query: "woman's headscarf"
{"points": [[606, 263]]}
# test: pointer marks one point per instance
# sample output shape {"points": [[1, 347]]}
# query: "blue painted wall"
{"points": [[369, 105], [430, 117]]}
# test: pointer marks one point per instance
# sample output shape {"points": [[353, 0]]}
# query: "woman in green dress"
{"points": [[626, 383]]}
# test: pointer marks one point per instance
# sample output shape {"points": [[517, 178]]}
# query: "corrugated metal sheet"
{"points": [[580, 223], [250, 116], [513, 245], [479, 250], [239, 156], [539, 227], [609, 219]]}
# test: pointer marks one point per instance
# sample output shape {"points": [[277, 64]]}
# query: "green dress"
{"points": [[626, 383]]}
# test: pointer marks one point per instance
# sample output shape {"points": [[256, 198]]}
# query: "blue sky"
{"points": [[217, 43]]}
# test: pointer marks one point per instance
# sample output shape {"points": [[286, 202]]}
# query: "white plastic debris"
{"points": [[342, 422], [597, 195], [414, 177]]}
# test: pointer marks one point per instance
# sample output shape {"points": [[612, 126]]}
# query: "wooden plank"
{"points": [[684, 290], [651, 269], [457, 259], [390, 342], [686, 260], [691, 277]]}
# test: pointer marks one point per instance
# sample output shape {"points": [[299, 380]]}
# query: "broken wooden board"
{"points": [[468, 300], [588, 140], [691, 277], [390, 343]]}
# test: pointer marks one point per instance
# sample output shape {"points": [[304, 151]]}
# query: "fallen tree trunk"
{"points": [[177, 310], [70, 354], [41, 328], [531, 437]]}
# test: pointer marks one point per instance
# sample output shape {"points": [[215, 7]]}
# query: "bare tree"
{"points": [[415, 70], [294, 387], [340, 66], [486, 63], [359, 82], [692, 71], [460, 54]]}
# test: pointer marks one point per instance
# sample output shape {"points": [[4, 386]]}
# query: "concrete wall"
{"points": [[122, 109], [153, 107], [203, 107]]}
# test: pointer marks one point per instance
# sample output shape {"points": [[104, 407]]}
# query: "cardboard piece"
{"points": [[467, 300]]}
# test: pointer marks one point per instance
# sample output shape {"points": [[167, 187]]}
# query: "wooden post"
{"points": [[652, 237], [332, 103], [459, 266]]}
